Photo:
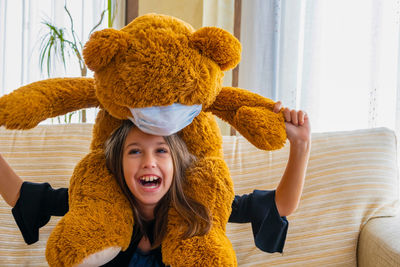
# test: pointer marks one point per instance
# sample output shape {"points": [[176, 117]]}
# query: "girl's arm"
{"points": [[10, 183], [290, 187], [33, 203]]}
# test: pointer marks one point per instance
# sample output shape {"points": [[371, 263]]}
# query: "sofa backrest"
{"points": [[47, 153], [352, 177]]}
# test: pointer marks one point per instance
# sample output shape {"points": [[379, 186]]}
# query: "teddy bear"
{"points": [[156, 60]]}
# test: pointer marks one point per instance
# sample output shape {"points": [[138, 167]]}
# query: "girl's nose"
{"points": [[148, 161]]}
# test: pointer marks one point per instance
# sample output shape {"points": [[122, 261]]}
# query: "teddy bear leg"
{"points": [[99, 217], [210, 184]]}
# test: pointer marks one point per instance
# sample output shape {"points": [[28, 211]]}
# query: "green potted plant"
{"points": [[60, 43]]}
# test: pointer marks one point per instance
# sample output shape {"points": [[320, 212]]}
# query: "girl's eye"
{"points": [[162, 150], [133, 151]]}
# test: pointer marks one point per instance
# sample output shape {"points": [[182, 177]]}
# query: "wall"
{"points": [[190, 11]]}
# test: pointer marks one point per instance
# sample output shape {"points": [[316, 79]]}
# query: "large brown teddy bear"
{"points": [[156, 60]]}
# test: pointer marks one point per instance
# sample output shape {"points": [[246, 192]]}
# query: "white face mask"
{"points": [[164, 120]]}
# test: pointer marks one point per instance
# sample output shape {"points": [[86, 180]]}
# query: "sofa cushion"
{"points": [[43, 154], [351, 178]]}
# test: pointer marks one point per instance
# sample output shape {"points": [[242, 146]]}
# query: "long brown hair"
{"points": [[196, 216]]}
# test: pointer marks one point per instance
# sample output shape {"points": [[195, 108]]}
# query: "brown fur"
{"points": [[155, 60]]}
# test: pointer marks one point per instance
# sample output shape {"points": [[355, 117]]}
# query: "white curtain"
{"points": [[338, 60], [21, 30], [220, 13], [259, 36]]}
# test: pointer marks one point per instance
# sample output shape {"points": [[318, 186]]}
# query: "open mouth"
{"points": [[150, 181]]}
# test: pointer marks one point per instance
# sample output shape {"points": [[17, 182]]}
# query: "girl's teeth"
{"points": [[149, 178]]}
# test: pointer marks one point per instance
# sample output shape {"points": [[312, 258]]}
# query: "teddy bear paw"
{"points": [[262, 127], [100, 258]]}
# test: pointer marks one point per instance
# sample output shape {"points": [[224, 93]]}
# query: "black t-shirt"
{"points": [[39, 201]]}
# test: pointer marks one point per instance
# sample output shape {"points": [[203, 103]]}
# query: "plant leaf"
{"points": [[53, 46], [99, 23], [45, 45]]}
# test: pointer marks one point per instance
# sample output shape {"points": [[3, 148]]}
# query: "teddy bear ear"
{"points": [[219, 45], [103, 46]]}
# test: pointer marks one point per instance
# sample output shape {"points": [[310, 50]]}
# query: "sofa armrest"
{"points": [[379, 242]]}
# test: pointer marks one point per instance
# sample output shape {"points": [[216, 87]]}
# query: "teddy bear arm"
{"points": [[232, 98], [252, 116], [25, 107]]}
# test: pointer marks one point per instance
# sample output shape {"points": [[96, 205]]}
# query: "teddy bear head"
{"points": [[158, 60]]}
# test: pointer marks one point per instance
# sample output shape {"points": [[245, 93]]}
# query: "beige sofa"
{"points": [[344, 219]]}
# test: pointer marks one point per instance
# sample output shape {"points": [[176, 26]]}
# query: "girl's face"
{"points": [[147, 166]]}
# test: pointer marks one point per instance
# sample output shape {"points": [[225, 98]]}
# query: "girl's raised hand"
{"points": [[298, 128], [290, 187]]}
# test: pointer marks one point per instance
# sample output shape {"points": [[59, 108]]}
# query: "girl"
{"points": [[150, 170]]}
